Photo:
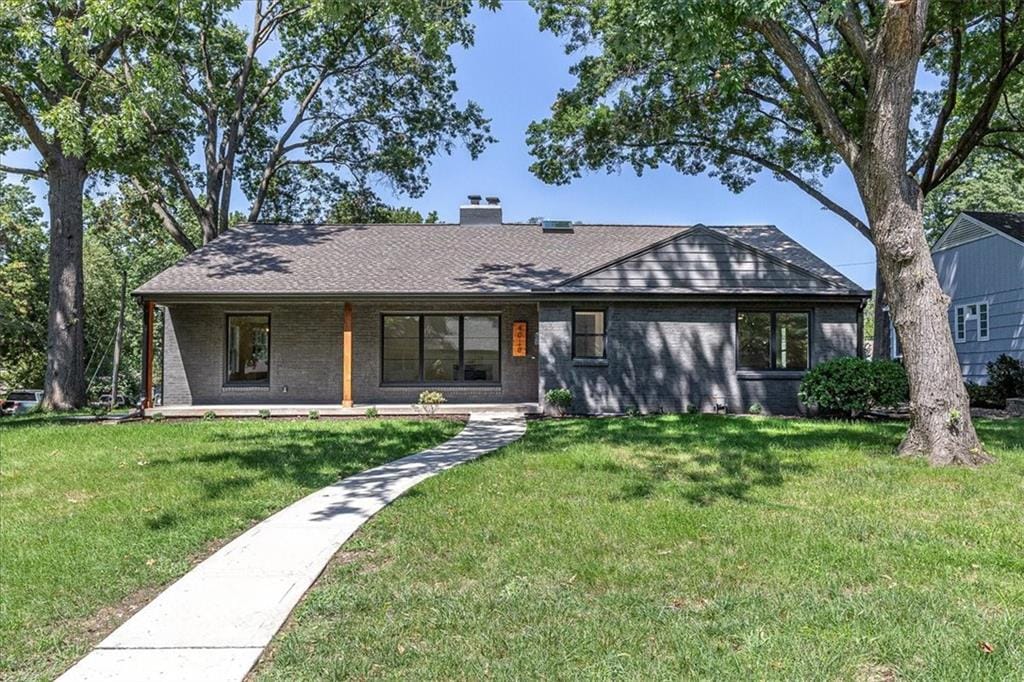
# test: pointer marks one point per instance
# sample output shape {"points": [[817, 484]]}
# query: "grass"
{"points": [[682, 547], [95, 518]]}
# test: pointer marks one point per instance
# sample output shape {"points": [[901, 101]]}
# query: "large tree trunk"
{"points": [[881, 346], [940, 417], [65, 348]]}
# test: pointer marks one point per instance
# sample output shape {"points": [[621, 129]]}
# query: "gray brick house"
{"points": [[655, 318]]}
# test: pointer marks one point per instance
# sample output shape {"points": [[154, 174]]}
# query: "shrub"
{"points": [[372, 413], [264, 414], [157, 416], [634, 412], [755, 408], [314, 414], [209, 416], [1006, 378], [429, 401], [560, 399], [851, 386], [983, 396]]}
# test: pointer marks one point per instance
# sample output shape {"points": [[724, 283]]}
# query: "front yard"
{"points": [[682, 547], [95, 519]]}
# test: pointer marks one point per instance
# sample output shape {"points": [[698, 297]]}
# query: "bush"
{"points": [[429, 401], [560, 399], [314, 414], [264, 414], [209, 416], [372, 413], [1006, 378], [157, 416], [852, 386], [755, 408], [984, 396]]}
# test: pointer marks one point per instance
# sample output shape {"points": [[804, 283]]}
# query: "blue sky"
{"points": [[514, 72]]}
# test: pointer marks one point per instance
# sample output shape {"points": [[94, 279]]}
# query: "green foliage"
{"points": [[853, 385], [755, 408], [363, 206], [982, 395], [988, 181], [560, 399], [209, 416], [372, 412], [121, 235], [158, 416], [264, 414], [1006, 378], [23, 283], [314, 415]]}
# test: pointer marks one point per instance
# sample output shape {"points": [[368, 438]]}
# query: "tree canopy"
{"points": [[308, 105]]}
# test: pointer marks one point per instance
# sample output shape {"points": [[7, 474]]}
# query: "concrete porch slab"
{"points": [[333, 410]]}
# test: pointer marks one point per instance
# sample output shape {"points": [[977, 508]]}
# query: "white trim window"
{"points": [[972, 311]]}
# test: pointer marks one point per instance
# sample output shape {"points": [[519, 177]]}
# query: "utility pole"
{"points": [[117, 342]]}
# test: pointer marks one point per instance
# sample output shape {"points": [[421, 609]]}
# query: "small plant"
{"points": [[264, 414], [755, 408], [100, 411], [313, 415], [372, 413], [157, 416], [634, 412], [560, 399], [851, 386], [429, 401], [692, 408], [209, 416]]}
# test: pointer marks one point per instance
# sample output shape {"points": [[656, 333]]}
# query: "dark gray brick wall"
{"points": [[306, 356], [518, 375], [668, 357]]}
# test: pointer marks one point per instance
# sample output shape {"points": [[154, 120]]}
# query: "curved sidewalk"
{"points": [[214, 622]]}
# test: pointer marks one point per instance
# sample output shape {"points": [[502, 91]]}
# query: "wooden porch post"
{"points": [[147, 358], [346, 358]]}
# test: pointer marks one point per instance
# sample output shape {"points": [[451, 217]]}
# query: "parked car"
{"points": [[22, 400]]}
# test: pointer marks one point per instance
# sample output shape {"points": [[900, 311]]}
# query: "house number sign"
{"points": [[519, 339]]}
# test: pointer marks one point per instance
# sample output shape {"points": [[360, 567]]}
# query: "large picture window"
{"points": [[773, 340], [440, 349], [248, 349], [588, 334]]}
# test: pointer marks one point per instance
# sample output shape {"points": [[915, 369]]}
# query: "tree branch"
{"points": [[806, 80], [170, 223], [978, 127], [929, 155], [45, 148], [31, 172]]}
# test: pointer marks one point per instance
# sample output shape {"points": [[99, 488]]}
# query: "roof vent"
{"points": [[475, 213], [964, 229], [556, 226]]}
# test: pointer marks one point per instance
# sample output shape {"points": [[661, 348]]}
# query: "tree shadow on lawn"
{"points": [[707, 458], [311, 458]]}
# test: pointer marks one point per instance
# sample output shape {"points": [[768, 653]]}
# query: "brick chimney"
{"points": [[475, 213]]}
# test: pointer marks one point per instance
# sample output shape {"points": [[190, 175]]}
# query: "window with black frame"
{"points": [[248, 349], [588, 334], [440, 349], [773, 340]]}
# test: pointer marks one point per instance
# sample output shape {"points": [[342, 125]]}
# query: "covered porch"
{"points": [[237, 358]]}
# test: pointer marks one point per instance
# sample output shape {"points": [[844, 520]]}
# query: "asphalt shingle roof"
{"points": [[281, 259], [1009, 223]]}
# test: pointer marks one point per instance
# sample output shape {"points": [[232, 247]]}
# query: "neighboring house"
{"points": [[980, 262], [626, 316]]}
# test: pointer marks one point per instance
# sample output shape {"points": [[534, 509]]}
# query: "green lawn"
{"points": [[682, 547], [95, 518]]}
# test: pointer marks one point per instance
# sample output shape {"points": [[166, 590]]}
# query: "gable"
{"points": [[700, 260], [963, 230]]}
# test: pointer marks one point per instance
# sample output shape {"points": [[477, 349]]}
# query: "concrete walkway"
{"points": [[213, 623]]}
